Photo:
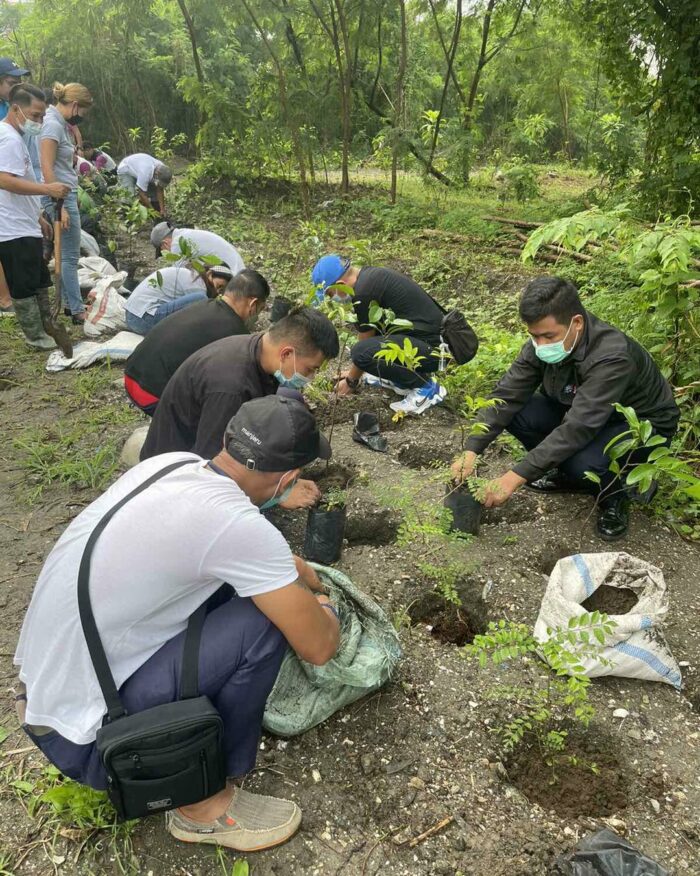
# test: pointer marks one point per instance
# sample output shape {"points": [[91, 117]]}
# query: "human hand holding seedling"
{"points": [[498, 491], [305, 494], [463, 466]]}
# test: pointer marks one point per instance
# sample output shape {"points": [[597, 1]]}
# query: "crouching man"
{"points": [[557, 399], [153, 565]]}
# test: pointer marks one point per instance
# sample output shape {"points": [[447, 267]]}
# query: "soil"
{"points": [[611, 600], [450, 622], [421, 750], [595, 785]]}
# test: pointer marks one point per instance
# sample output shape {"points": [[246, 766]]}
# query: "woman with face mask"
{"points": [[57, 152]]}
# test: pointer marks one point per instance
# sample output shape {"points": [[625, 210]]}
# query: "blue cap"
{"points": [[328, 270], [9, 68]]}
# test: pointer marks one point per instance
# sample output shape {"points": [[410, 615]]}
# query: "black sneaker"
{"points": [[554, 481], [614, 519]]}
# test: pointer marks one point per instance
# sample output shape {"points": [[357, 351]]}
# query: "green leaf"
{"points": [[240, 868]]}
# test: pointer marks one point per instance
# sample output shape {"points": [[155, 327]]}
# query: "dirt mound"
{"points": [[611, 600]]}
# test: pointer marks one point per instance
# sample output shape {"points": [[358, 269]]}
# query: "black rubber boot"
{"points": [[614, 518], [29, 319]]}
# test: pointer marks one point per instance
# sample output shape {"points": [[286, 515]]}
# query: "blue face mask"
{"points": [[296, 381], [551, 354], [275, 500]]}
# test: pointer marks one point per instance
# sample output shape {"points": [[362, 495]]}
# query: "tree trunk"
{"points": [[399, 121], [448, 76], [193, 40]]}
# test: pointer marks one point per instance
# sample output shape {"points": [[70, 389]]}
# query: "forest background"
{"points": [[364, 123]]}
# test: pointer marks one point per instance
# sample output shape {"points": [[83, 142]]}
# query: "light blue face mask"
{"points": [[551, 354], [275, 500], [339, 298], [30, 127], [296, 381]]}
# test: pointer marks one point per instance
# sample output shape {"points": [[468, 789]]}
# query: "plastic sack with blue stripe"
{"points": [[304, 695], [636, 648]]}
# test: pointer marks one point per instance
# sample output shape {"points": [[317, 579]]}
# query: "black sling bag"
{"points": [[167, 756]]}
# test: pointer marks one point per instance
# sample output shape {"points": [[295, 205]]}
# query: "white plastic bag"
{"points": [[107, 309], [118, 349], [88, 244], [93, 268], [636, 647]]}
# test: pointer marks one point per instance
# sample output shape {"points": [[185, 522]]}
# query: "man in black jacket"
{"points": [[557, 398]]}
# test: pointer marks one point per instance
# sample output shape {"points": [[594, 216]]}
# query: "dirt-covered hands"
{"points": [[308, 575], [463, 466], [498, 491], [305, 494]]}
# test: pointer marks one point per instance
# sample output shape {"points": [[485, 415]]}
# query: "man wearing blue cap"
{"points": [[402, 295], [10, 75]]}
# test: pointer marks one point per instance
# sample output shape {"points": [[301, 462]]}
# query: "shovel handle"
{"points": [[57, 256]]}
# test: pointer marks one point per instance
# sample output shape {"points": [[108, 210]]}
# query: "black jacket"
{"points": [[605, 367]]}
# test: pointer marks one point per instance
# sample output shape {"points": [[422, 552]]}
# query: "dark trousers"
{"points": [[363, 356], [541, 415], [240, 655]]}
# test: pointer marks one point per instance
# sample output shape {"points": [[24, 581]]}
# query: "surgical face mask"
{"points": [[275, 499], [30, 127], [339, 298], [296, 381], [556, 352]]}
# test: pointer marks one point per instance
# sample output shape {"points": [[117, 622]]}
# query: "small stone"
{"points": [[443, 868], [620, 713], [656, 806], [316, 776], [459, 843], [635, 733], [367, 764], [417, 783]]}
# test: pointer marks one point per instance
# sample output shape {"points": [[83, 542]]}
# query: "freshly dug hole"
{"points": [[572, 790], [611, 600], [370, 527], [450, 623], [419, 457], [338, 475]]}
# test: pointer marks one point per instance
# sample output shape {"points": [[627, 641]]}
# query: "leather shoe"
{"points": [[553, 481], [367, 432], [614, 519]]}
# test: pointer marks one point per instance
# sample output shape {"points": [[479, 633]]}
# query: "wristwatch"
{"points": [[352, 382]]}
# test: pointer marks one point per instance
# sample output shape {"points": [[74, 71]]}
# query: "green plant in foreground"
{"points": [[542, 713], [334, 499]]}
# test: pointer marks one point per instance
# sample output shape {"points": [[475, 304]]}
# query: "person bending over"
{"points": [[145, 177], [402, 295], [173, 340], [171, 289], [557, 399], [181, 543], [194, 242], [210, 386]]}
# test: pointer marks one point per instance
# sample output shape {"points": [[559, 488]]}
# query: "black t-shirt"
{"points": [[203, 395], [399, 293], [174, 339]]}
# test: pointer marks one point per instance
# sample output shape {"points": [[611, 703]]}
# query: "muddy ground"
{"points": [[421, 751]]}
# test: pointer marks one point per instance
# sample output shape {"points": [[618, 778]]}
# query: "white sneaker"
{"points": [[419, 400], [371, 380]]}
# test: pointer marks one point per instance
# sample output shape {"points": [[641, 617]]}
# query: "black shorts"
{"points": [[23, 262]]}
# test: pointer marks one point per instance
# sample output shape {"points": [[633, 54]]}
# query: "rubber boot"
{"points": [[29, 319]]}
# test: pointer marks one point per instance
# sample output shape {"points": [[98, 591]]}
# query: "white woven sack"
{"points": [[636, 648], [107, 309], [93, 268], [118, 349]]}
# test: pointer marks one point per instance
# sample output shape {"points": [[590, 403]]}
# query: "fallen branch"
{"points": [[431, 831], [579, 256], [437, 232], [512, 250], [519, 223]]}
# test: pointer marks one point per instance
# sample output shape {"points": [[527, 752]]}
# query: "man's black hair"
{"points": [[248, 284], [550, 296], [309, 331], [23, 94]]}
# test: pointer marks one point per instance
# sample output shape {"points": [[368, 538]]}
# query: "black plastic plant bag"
{"points": [[606, 853], [324, 535], [466, 511]]}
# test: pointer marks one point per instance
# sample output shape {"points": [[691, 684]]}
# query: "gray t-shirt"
{"points": [[55, 128]]}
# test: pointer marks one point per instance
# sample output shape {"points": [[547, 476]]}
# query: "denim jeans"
{"points": [[70, 253], [143, 324]]}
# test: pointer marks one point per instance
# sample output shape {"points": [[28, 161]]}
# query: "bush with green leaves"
{"points": [[545, 713]]}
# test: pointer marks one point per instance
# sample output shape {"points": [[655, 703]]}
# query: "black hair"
{"points": [[23, 93], [309, 330], [248, 284], [550, 296]]}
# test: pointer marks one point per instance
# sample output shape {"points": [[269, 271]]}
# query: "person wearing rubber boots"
{"points": [[21, 225], [557, 399]]}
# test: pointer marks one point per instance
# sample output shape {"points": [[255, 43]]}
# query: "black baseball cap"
{"points": [[9, 68], [275, 433]]}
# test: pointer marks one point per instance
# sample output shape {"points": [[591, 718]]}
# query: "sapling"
{"points": [[542, 714], [334, 499]]}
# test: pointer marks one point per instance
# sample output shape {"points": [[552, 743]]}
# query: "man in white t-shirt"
{"points": [[152, 566], [146, 177], [193, 243], [171, 289], [21, 225]]}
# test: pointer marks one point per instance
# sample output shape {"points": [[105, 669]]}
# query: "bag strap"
{"points": [[189, 672], [115, 709]]}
